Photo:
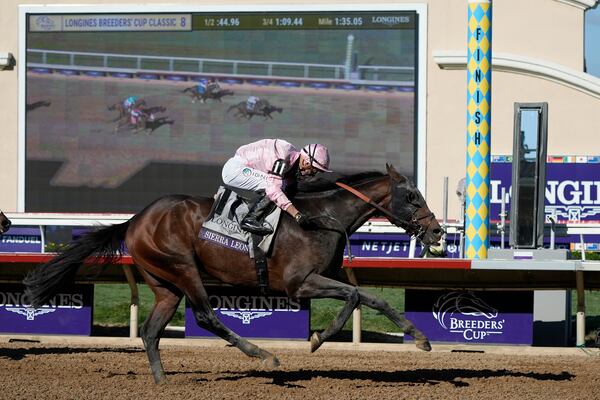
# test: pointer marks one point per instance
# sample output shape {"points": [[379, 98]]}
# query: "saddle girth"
{"points": [[260, 261]]}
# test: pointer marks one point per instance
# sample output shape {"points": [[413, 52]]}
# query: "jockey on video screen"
{"points": [[251, 103]]}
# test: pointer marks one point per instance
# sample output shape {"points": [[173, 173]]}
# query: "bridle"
{"points": [[412, 227]]}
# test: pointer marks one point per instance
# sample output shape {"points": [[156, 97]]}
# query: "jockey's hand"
{"points": [[304, 221]]}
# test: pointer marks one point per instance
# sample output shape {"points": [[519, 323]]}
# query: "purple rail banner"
{"points": [[67, 313], [21, 239], [254, 316], [481, 317]]}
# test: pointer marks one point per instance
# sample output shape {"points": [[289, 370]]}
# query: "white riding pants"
{"points": [[235, 173]]}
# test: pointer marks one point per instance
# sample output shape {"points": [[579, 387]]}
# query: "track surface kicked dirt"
{"points": [[52, 371]]}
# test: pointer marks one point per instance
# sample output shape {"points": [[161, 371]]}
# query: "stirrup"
{"points": [[256, 229]]}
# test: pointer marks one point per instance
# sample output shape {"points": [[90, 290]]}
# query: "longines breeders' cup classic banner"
{"points": [[254, 316], [67, 313], [472, 316]]}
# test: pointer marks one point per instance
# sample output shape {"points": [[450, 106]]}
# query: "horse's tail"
{"points": [[233, 107], [45, 280], [187, 89]]}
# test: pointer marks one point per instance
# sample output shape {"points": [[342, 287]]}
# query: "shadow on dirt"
{"points": [[418, 376], [20, 353]]}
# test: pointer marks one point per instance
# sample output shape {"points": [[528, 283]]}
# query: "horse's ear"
{"points": [[394, 174]]}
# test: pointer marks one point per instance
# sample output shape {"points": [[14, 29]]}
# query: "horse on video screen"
{"points": [[216, 95], [124, 112], [37, 104], [144, 119], [164, 243], [263, 108], [5, 223]]}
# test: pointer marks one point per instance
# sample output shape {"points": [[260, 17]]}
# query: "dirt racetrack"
{"points": [[90, 371]]}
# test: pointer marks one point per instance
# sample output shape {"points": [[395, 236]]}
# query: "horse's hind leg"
{"points": [[167, 298], [207, 319]]}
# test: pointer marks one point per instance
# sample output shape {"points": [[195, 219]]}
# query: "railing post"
{"points": [[445, 215], [134, 303]]}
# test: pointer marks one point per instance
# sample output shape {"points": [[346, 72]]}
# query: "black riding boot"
{"points": [[253, 221]]}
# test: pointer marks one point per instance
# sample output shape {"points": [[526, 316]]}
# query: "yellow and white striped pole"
{"points": [[479, 118]]}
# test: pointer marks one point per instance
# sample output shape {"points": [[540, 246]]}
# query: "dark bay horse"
{"points": [[216, 95], [262, 108], [163, 241], [123, 111]]}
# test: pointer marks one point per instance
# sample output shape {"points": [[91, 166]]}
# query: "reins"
{"points": [[368, 200], [393, 219]]}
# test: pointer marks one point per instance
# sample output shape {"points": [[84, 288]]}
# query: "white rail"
{"points": [[146, 63]]}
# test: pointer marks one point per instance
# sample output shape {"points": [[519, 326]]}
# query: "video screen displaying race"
{"points": [[124, 108]]}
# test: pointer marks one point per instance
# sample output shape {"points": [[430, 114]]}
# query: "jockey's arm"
{"points": [[275, 193], [292, 210]]}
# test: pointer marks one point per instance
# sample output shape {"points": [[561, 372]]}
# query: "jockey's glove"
{"points": [[304, 221]]}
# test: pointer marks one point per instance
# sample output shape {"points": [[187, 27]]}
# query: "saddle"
{"points": [[222, 228]]}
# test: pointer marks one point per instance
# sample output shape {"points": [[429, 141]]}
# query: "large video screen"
{"points": [[124, 107]]}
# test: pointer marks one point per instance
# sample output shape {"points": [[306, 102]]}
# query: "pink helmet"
{"points": [[318, 156]]}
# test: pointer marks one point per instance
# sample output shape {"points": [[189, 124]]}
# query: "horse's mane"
{"points": [[326, 182]]}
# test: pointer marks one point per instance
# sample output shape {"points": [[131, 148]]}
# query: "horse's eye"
{"points": [[411, 197]]}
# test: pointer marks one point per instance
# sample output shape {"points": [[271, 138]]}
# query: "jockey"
{"points": [[129, 102], [201, 87], [267, 167], [212, 86], [251, 103], [136, 113]]}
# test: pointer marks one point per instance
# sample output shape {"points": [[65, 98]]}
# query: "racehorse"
{"points": [[145, 121], [37, 104], [124, 111], [163, 241], [262, 108], [216, 95], [5, 223]]}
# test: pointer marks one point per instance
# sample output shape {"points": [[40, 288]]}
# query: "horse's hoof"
{"points": [[315, 342], [160, 379], [270, 362], [423, 345]]}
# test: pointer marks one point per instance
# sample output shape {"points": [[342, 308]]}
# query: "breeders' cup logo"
{"points": [[17, 302], [45, 23], [249, 308], [456, 312]]}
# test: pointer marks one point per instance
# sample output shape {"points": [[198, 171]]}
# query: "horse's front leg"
{"points": [[397, 318], [317, 286]]}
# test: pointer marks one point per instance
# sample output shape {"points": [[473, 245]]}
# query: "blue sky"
{"points": [[592, 41]]}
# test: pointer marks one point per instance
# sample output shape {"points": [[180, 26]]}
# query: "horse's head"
{"points": [[411, 211], [4, 223]]}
